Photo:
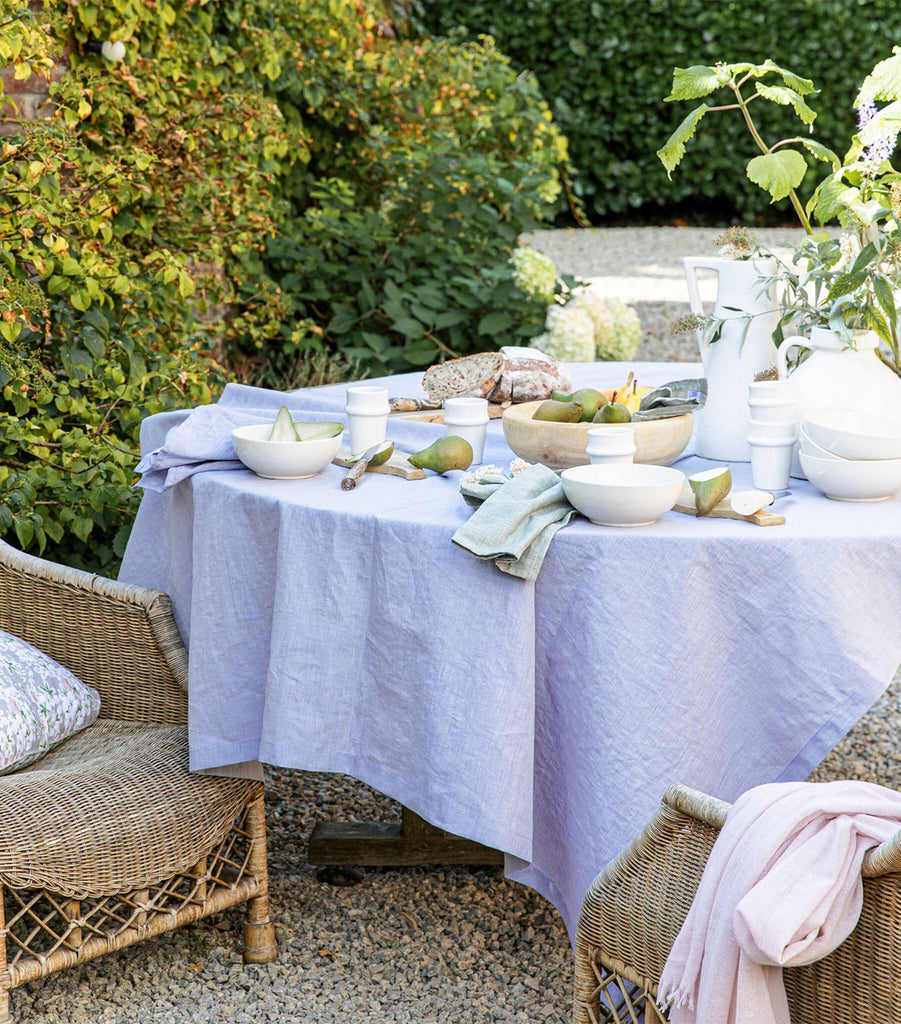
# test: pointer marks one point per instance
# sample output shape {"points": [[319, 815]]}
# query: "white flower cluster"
{"points": [[568, 336], [533, 272], [590, 327], [625, 337]]}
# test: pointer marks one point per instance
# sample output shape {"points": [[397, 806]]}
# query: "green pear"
{"points": [[710, 487], [613, 412], [562, 396], [592, 401], [447, 453], [558, 412]]}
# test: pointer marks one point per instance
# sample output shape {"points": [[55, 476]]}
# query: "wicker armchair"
{"points": [[634, 909], [109, 839]]}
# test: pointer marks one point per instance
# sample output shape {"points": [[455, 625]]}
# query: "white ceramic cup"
{"points": [[468, 418], [367, 410], [771, 401], [772, 446], [610, 445]]}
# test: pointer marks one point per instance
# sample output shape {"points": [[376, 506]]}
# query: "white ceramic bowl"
{"points": [[808, 446], [853, 479], [854, 435], [282, 460], [623, 495]]}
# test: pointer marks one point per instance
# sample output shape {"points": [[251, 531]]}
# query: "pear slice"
{"points": [[315, 431], [710, 487], [381, 456], [283, 428]]}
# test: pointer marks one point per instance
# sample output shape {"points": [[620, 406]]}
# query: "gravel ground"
{"points": [[425, 945]]}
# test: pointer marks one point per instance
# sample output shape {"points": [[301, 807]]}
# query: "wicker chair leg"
{"points": [[259, 932], [586, 1005], [5, 984]]}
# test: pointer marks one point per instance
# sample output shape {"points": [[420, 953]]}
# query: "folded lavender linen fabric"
{"points": [[202, 442], [781, 888], [517, 522]]}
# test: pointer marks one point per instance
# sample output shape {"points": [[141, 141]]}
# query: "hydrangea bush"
{"points": [[581, 324]]}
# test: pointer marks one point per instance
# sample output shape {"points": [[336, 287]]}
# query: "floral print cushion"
{"points": [[41, 703]]}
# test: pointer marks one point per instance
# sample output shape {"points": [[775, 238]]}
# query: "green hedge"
{"points": [[605, 66]]}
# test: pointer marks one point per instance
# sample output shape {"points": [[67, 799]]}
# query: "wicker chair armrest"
{"points": [[121, 639], [697, 805]]}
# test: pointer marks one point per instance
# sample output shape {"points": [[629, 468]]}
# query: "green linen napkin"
{"points": [[515, 524]]}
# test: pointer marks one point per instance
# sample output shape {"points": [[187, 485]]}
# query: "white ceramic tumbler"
{"points": [[771, 401], [610, 445], [772, 446], [367, 410], [468, 418]]}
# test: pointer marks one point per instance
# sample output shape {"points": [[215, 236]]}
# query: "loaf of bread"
{"points": [[512, 375], [529, 376]]}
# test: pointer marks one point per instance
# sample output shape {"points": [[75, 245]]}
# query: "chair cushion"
{"points": [[111, 810], [41, 703]]}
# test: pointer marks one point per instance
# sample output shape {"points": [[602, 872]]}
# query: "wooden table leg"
{"points": [[394, 844]]}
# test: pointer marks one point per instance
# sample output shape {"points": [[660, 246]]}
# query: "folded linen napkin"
{"points": [[202, 442], [516, 523], [782, 888], [673, 399]]}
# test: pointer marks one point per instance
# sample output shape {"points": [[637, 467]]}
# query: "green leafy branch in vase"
{"points": [[780, 168]]}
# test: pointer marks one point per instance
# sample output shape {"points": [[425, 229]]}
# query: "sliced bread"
{"points": [[475, 375]]}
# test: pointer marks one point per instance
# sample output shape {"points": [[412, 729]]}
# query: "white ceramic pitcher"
{"points": [[837, 375], [743, 349]]}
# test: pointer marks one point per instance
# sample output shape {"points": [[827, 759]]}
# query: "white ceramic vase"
{"points": [[838, 375], [743, 349]]}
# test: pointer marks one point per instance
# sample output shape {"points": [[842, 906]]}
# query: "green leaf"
{"points": [[494, 323], [24, 531], [674, 148], [885, 296], [883, 82], [779, 172], [697, 81], [793, 81], [82, 526], [846, 284], [409, 327], [820, 151], [786, 97], [877, 322], [97, 319]]}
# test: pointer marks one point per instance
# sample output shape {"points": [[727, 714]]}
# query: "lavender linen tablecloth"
{"points": [[343, 631]]}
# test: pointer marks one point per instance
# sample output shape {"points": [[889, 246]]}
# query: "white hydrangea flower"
{"points": [[591, 300], [533, 272], [570, 334], [625, 336]]}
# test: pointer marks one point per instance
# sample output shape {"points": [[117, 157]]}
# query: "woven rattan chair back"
{"points": [[634, 909], [110, 839]]}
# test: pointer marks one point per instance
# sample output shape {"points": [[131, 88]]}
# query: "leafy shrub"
{"points": [[606, 66], [427, 162]]}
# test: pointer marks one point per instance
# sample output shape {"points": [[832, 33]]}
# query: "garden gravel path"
{"points": [[419, 945]]}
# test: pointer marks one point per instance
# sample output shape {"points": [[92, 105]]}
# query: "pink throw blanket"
{"points": [[781, 888]]}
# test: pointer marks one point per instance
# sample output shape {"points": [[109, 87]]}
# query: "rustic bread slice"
{"points": [[475, 375]]}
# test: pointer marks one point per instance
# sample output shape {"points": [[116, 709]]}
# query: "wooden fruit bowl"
{"points": [[561, 445]]}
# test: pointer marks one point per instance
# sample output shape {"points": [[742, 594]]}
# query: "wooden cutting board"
{"points": [[495, 412], [397, 465], [724, 510]]}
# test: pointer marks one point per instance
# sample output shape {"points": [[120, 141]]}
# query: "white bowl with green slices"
{"points": [[287, 450]]}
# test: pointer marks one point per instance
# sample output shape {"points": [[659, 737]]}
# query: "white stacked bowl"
{"points": [[851, 455]]}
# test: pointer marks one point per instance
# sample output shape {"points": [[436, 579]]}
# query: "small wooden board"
{"points": [[495, 412], [397, 465], [724, 510]]}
